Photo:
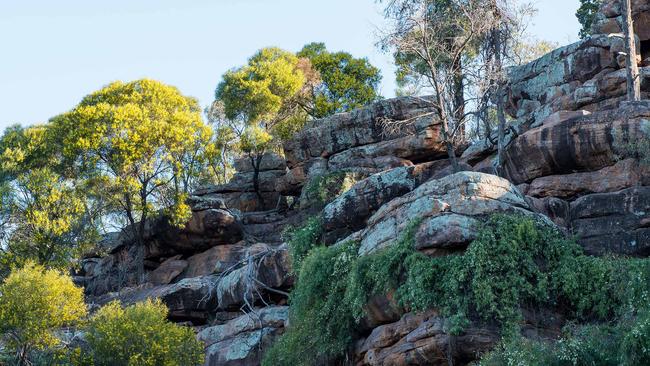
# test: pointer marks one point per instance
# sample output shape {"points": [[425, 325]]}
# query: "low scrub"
{"points": [[141, 335]]}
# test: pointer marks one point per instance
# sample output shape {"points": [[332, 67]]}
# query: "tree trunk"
{"points": [[459, 99], [633, 81], [444, 119], [501, 145], [497, 43], [256, 162]]}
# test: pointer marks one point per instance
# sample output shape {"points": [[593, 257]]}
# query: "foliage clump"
{"points": [[141, 335], [586, 15], [34, 302], [621, 343], [638, 148], [346, 83], [514, 263], [301, 240], [323, 189], [321, 318]]}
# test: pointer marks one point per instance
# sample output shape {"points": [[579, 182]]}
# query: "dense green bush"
{"points": [[323, 189], [34, 304], [302, 239], [619, 343], [322, 325], [141, 335], [515, 262]]}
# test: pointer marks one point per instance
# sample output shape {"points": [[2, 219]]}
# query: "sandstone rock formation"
{"points": [[572, 158], [450, 210]]}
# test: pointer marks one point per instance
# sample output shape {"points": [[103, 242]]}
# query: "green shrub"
{"points": [[514, 262], [303, 239], [635, 345], [140, 335], [638, 148], [589, 345], [34, 302], [323, 189], [322, 325]]}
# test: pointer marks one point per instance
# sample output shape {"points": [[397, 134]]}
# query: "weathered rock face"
{"points": [[194, 298], [580, 144], [385, 135], [243, 340], [166, 248], [613, 222], [572, 158], [350, 211], [625, 173], [449, 210], [586, 75], [421, 339], [608, 19], [240, 194]]}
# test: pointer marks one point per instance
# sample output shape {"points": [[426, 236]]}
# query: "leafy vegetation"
{"points": [[303, 239], [34, 302], [346, 83], [43, 217], [514, 263], [141, 335], [323, 189], [586, 15]]}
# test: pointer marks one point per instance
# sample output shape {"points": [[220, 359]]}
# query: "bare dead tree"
{"points": [[633, 80], [442, 40], [438, 38]]}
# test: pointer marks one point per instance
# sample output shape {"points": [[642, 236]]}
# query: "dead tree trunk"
{"points": [[633, 81]]}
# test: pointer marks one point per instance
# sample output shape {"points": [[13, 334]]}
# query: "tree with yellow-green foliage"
{"points": [[346, 82], [33, 303], [142, 142], [141, 335], [265, 102], [44, 214]]}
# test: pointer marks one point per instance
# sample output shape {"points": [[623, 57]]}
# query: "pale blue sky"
{"points": [[52, 53]]}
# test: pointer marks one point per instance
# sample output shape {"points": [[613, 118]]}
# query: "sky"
{"points": [[52, 53]]}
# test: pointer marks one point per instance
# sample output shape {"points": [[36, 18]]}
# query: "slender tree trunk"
{"points": [[256, 162], [501, 117], [459, 98], [141, 229], [444, 119], [633, 81], [501, 146]]}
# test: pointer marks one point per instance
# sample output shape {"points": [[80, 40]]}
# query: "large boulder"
{"points": [[613, 223], [580, 144], [447, 211], [269, 161], [350, 211], [264, 268], [189, 299], [423, 339], [624, 174], [243, 340], [214, 260]]}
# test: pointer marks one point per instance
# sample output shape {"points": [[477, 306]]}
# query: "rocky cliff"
{"points": [[370, 173]]}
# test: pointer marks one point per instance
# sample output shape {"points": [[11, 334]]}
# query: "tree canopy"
{"points": [[586, 15], [33, 303], [133, 137], [346, 82]]}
